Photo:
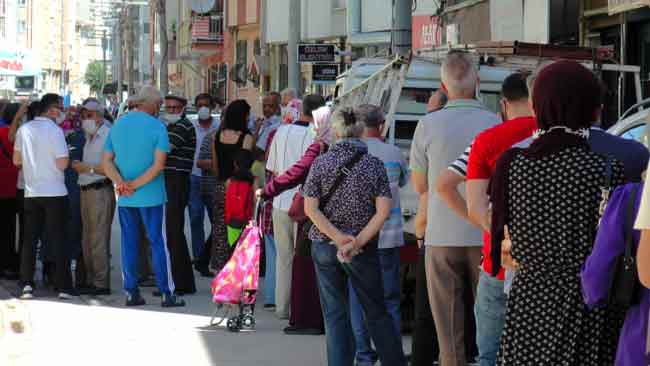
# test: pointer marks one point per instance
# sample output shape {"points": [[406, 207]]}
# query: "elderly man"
{"points": [[180, 160], [290, 105], [453, 246], [97, 201], [391, 237], [42, 153], [204, 125], [134, 159]]}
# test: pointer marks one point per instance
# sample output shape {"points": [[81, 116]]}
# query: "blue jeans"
{"points": [[269, 278], [490, 312], [152, 218], [197, 207], [364, 273], [389, 262]]}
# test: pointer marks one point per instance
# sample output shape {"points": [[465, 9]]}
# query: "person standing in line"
{"points": [[97, 201], [289, 144], [391, 237], [518, 125], [179, 164], [453, 251], [9, 255], [41, 151], [233, 135], [348, 198], [134, 159], [547, 198], [204, 125]]}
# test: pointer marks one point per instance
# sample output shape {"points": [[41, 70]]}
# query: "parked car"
{"points": [[634, 123]]}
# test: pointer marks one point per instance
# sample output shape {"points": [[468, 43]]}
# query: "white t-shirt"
{"points": [[289, 144], [93, 150], [40, 142]]}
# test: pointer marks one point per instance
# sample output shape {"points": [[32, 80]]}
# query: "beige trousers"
{"points": [[449, 271], [283, 233], [97, 210]]}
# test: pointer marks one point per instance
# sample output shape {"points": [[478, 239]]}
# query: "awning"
{"points": [[619, 6], [18, 63]]}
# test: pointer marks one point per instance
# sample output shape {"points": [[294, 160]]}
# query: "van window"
{"points": [[414, 101]]}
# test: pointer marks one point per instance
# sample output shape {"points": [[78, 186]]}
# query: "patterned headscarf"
{"points": [[322, 122]]}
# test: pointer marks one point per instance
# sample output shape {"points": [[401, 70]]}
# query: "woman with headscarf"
{"points": [[547, 198], [306, 316]]}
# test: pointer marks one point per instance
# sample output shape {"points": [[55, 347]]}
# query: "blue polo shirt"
{"points": [[134, 140]]}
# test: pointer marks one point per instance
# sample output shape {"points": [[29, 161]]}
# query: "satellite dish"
{"points": [[202, 6]]}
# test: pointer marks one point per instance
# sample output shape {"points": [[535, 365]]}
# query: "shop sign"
{"points": [[17, 63], [324, 73], [427, 33], [619, 6], [316, 53]]}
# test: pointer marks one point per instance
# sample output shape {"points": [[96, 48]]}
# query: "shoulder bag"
{"points": [[625, 285]]}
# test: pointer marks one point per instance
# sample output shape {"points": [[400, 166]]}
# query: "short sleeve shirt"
{"points": [[643, 217], [40, 142], [134, 140], [352, 206], [92, 154], [439, 139]]}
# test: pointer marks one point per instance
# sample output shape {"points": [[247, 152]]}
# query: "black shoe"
{"points": [[171, 301], [135, 300], [269, 306], [87, 290], [68, 294], [293, 330], [102, 291], [204, 271], [157, 293]]}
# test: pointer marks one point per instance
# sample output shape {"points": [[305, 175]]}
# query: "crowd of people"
{"points": [[525, 216]]}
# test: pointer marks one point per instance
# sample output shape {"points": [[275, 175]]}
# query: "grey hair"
{"points": [[459, 74], [290, 92], [147, 95], [346, 124], [371, 115]]}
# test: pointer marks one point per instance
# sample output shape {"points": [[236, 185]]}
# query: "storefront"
{"points": [[20, 77]]}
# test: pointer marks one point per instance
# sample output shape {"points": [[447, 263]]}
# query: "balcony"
{"points": [[207, 29]]}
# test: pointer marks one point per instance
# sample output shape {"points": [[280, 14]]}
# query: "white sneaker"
{"points": [[28, 293], [67, 295]]}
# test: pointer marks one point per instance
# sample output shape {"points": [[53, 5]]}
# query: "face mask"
{"points": [[204, 113], [89, 126], [59, 120], [169, 118]]}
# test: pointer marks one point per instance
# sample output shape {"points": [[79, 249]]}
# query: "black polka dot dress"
{"points": [[552, 214]]}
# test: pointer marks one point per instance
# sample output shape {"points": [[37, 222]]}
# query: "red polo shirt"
{"points": [[486, 150]]}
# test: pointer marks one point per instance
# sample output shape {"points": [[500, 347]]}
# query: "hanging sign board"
{"points": [[324, 73], [316, 53]]}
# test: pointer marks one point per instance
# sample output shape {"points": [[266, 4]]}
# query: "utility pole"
{"points": [[292, 47], [61, 81], [164, 54], [402, 24], [130, 36], [104, 46], [118, 52]]}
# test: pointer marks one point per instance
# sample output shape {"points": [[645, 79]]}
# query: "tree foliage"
{"points": [[93, 76]]}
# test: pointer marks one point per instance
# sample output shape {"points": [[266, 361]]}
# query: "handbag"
{"points": [[624, 288]]}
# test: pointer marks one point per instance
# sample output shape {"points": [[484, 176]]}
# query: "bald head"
{"points": [[459, 76]]}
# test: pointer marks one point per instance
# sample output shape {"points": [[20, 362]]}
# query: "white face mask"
{"points": [[169, 118], [59, 120], [89, 126], [204, 113]]}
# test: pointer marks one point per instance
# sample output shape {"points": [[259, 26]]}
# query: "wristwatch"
{"points": [[92, 170]]}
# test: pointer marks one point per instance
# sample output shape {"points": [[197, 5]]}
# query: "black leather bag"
{"points": [[625, 285]]}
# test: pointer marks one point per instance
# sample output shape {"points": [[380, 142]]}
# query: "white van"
{"points": [[422, 80]]}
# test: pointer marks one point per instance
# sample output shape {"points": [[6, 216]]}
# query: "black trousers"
{"points": [[424, 349], [178, 194], [9, 260], [45, 218]]}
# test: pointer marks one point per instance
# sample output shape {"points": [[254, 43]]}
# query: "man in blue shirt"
{"points": [[134, 159]]}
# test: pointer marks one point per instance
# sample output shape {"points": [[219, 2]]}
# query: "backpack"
{"points": [[239, 203]]}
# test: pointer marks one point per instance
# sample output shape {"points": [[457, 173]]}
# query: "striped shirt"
{"points": [[459, 166], [182, 142], [392, 233]]}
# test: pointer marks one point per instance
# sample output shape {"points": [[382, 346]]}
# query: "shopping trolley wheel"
{"points": [[248, 321], [234, 324]]}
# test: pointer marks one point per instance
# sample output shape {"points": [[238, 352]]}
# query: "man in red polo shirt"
{"points": [[518, 125]]}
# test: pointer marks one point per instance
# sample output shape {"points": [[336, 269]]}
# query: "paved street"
{"points": [[103, 332]]}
